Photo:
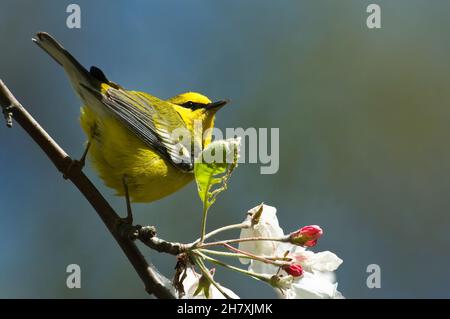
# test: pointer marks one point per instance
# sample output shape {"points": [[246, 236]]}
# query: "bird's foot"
{"points": [[73, 165], [77, 164], [127, 220]]}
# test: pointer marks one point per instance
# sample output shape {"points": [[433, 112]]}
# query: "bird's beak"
{"points": [[216, 105]]}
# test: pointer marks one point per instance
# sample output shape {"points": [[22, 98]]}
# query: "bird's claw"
{"points": [[127, 220], [74, 164]]}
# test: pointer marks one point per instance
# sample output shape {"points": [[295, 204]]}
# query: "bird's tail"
{"points": [[76, 72]]}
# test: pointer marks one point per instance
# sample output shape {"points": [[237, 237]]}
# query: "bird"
{"points": [[129, 133]]}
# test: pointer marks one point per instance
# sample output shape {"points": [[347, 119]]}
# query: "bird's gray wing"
{"points": [[153, 121]]}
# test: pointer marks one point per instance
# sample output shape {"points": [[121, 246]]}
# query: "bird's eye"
{"points": [[192, 105]]}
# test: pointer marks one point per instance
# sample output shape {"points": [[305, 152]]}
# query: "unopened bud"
{"points": [[306, 236], [284, 282], [294, 270]]}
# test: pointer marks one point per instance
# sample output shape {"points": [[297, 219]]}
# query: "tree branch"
{"points": [[147, 235], [154, 282]]}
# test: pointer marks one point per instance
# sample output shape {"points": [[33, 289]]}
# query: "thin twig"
{"points": [[154, 282], [245, 224], [256, 257], [262, 277], [240, 240], [147, 235], [204, 216], [265, 259], [207, 274]]}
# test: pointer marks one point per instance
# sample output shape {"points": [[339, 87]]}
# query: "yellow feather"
{"points": [[115, 152]]}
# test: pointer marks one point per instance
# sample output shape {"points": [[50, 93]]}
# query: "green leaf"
{"points": [[213, 168]]}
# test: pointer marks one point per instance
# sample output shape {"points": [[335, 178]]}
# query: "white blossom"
{"points": [[318, 279], [324, 261], [266, 227], [317, 285]]}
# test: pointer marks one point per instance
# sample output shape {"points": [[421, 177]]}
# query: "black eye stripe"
{"points": [[193, 105]]}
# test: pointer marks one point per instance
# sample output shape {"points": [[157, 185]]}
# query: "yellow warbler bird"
{"points": [[129, 132]]}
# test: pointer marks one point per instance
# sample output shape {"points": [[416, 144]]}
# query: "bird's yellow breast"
{"points": [[115, 152]]}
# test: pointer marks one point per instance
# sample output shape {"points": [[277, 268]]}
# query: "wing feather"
{"points": [[152, 120]]}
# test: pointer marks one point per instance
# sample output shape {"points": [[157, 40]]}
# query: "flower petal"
{"points": [[267, 227], [322, 261], [313, 286]]}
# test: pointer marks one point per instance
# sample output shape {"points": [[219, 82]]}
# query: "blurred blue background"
{"points": [[364, 135]]}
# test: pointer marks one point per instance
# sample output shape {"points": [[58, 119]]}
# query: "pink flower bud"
{"points": [[306, 236], [294, 270]]}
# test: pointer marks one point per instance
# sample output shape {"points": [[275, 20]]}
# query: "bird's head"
{"points": [[194, 106], [194, 102]]}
